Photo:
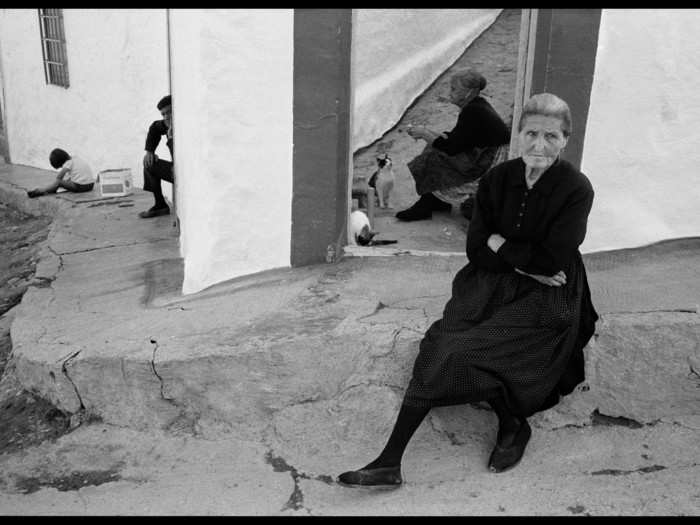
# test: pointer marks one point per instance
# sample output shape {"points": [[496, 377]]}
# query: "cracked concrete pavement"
{"points": [[250, 397]]}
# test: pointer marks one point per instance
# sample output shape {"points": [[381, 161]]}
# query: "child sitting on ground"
{"points": [[75, 175]]}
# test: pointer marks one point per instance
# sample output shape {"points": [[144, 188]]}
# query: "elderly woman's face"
{"points": [[541, 140], [458, 94]]}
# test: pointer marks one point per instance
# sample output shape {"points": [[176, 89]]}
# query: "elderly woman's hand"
{"points": [[417, 132], [558, 279], [495, 241], [421, 132]]}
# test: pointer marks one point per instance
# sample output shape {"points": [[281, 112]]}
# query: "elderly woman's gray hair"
{"points": [[469, 79], [547, 105]]}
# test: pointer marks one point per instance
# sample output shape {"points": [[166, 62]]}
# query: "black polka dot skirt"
{"points": [[507, 335]]}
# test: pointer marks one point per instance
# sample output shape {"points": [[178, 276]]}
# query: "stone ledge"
{"points": [[624, 377], [353, 325], [646, 366]]}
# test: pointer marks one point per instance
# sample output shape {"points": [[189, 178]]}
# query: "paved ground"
{"points": [[250, 397]]}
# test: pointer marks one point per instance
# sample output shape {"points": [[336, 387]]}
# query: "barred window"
{"points": [[53, 47]]}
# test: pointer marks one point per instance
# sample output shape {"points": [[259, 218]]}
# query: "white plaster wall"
{"points": [[398, 53], [232, 83], [117, 63], [642, 146]]}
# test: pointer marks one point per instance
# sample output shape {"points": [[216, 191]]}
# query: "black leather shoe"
{"points": [[414, 214], [505, 458], [423, 208], [438, 205], [387, 477], [466, 208], [154, 212]]}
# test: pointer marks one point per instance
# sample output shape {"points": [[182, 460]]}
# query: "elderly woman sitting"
{"points": [[513, 332], [451, 162]]}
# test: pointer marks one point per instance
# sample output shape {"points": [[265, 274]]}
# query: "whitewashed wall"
{"points": [[117, 63], [398, 53], [232, 83], [642, 147]]}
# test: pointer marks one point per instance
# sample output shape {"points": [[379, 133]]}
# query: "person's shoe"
{"points": [[437, 204], [505, 458], [382, 477], [35, 193], [154, 212], [423, 208], [466, 208]]}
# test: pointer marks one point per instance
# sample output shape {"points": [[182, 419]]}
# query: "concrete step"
{"points": [[321, 353]]}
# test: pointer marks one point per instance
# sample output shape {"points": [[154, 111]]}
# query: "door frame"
{"points": [[523, 87], [556, 53], [523, 76], [4, 139]]}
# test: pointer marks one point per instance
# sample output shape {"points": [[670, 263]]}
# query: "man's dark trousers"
{"points": [[159, 170]]}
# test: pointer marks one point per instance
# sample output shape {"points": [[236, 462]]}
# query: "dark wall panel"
{"points": [[321, 132], [565, 49]]}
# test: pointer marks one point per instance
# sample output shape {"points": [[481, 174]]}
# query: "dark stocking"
{"points": [[508, 424], [408, 420]]}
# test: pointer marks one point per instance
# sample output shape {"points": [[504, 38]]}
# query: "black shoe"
{"points": [[467, 208], [423, 208], [505, 458], [437, 204], [387, 477], [154, 212], [35, 193]]}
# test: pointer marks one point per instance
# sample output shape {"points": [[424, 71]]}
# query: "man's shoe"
{"points": [[154, 212], [35, 193], [505, 458], [383, 477]]}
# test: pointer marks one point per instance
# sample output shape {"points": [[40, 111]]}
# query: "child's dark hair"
{"points": [[58, 158], [165, 101]]}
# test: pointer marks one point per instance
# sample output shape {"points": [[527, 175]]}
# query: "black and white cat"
{"points": [[361, 231], [383, 180]]}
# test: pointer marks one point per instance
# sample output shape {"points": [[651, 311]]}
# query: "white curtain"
{"points": [[398, 53], [642, 146]]}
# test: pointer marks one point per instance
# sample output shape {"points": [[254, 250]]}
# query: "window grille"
{"points": [[53, 47]]}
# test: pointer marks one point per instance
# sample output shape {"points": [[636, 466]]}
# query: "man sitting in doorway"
{"points": [[154, 169]]}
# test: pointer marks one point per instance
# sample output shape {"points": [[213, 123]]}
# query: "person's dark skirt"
{"points": [[435, 170], [505, 334]]}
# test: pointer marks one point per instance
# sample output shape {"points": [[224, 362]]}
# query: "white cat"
{"points": [[383, 180], [360, 229]]}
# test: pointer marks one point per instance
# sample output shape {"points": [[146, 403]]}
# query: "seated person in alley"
{"points": [[74, 175], [154, 169], [447, 170]]}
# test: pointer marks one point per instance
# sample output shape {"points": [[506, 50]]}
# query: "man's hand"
{"points": [[149, 158], [495, 241], [558, 279]]}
